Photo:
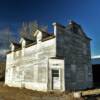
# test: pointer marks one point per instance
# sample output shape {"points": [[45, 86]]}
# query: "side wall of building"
{"points": [[76, 51], [29, 67]]}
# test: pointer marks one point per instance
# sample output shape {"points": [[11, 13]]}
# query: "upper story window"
{"points": [[85, 48], [73, 67]]}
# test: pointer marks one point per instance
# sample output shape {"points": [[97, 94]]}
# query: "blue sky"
{"points": [[84, 12]]}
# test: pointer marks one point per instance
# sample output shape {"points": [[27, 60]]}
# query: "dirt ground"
{"points": [[11, 93]]}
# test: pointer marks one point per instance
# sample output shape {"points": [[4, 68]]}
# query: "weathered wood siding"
{"points": [[75, 48], [28, 67]]}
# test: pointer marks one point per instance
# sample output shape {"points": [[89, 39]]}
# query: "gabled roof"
{"points": [[16, 45], [44, 34], [28, 41], [76, 28]]}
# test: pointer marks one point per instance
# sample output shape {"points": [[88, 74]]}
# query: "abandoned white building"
{"points": [[59, 61]]}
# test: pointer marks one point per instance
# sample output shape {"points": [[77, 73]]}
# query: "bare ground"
{"points": [[11, 93]]}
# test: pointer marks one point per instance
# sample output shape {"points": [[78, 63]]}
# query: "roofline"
{"points": [[88, 38], [46, 39], [27, 39], [57, 24], [16, 43], [43, 31]]}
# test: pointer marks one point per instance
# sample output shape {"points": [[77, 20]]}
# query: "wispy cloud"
{"points": [[3, 52], [5, 38], [97, 56]]}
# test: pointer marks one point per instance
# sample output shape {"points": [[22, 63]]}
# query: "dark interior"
{"points": [[96, 75]]}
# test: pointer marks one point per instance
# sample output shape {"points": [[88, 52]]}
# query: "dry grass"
{"points": [[11, 93], [91, 92]]}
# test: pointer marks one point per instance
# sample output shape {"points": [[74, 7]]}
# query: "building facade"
{"points": [[58, 61]]}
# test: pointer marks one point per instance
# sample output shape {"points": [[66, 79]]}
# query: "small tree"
{"points": [[28, 29]]}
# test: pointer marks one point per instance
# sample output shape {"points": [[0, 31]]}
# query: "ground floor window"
{"points": [[42, 74]]}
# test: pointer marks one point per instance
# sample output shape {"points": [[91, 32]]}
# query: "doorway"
{"points": [[55, 79]]}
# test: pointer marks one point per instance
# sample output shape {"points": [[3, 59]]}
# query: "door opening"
{"points": [[55, 79]]}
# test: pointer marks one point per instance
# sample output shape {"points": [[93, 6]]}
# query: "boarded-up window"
{"points": [[16, 75], [28, 75], [73, 73], [42, 74], [73, 68], [88, 74], [84, 48]]}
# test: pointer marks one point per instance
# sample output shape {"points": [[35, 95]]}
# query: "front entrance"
{"points": [[55, 79]]}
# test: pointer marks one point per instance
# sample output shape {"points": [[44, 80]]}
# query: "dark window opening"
{"points": [[96, 75], [55, 73]]}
